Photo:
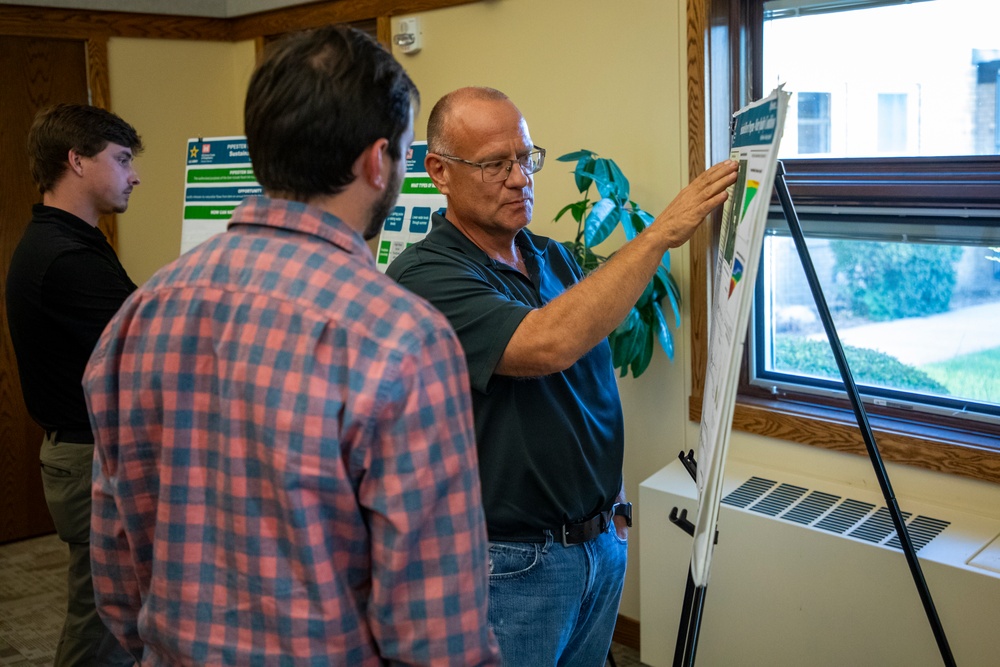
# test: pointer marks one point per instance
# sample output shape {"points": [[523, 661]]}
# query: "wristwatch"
{"points": [[625, 510]]}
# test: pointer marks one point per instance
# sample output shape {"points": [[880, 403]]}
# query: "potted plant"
{"points": [[632, 342]]}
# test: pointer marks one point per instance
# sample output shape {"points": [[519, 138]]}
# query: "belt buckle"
{"points": [[564, 542]]}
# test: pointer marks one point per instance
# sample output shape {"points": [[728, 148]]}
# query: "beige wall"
{"points": [[607, 76], [170, 90]]}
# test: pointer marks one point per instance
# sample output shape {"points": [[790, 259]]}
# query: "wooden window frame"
{"points": [[724, 40]]}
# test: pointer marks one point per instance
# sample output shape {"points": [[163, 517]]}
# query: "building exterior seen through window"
{"points": [[915, 292], [904, 79]]}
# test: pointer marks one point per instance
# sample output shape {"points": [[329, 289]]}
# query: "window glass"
{"points": [[814, 123], [918, 78], [915, 301]]}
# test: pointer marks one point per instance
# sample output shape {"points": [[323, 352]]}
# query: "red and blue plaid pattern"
{"points": [[285, 468]]}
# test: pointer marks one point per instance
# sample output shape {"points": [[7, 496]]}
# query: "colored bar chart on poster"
{"points": [[218, 177], [410, 220]]}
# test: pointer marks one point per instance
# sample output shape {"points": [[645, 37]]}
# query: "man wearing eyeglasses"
{"points": [[549, 423]]}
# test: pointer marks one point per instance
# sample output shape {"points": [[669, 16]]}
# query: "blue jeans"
{"points": [[554, 605]]}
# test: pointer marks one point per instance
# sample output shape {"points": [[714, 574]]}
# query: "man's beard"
{"points": [[381, 209]]}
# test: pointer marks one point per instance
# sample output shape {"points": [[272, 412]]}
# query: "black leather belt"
{"points": [[586, 530], [71, 435]]}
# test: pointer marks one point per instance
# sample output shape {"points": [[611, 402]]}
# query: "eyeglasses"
{"points": [[498, 170]]}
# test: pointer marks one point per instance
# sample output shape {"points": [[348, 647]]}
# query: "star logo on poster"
{"points": [[194, 151]]}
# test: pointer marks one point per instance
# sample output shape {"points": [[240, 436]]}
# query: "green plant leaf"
{"points": [[603, 179], [627, 348], [645, 355], [580, 209], [583, 172], [563, 210], [634, 228], [623, 340], [576, 155], [663, 332], [646, 217], [666, 286], [600, 222], [618, 178]]}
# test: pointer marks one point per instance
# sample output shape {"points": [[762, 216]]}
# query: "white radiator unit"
{"points": [[809, 572]]}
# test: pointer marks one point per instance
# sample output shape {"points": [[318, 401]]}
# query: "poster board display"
{"points": [[217, 178], [756, 134], [410, 220]]}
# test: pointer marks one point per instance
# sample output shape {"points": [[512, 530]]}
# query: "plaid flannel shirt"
{"points": [[285, 468]]}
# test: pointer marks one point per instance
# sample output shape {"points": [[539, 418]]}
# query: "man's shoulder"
{"points": [[431, 255], [326, 285]]}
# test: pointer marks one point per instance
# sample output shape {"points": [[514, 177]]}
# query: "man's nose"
{"points": [[516, 178]]}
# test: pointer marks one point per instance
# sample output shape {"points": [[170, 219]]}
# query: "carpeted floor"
{"points": [[33, 600]]}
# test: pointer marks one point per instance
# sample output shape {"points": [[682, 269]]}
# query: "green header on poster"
{"points": [[208, 212], [419, 185], [221, 175]]}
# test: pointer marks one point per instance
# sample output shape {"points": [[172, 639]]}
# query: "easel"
{"points": [[694, 596]]}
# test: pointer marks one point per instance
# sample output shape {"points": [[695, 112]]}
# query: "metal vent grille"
{"points": [[749, 491], [878, 526], [811, 508], [844, 516], [779, 500], [831, 513], [922, 530]]}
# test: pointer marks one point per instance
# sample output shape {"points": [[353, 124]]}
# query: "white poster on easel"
{"points": [[218, 177], [757, 132], [410, 220]]}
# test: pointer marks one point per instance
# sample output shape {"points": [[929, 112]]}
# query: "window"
{"points": [[892, 150], [814, 122], [892, 123]]}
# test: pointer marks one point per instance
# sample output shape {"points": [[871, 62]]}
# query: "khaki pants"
{"points": [[66, 477]]}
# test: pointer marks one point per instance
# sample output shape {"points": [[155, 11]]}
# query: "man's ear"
{"points": [[75, 161], [373, 163], [435, 166]]}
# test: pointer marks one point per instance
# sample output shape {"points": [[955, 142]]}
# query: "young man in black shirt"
{"points": [[64, 284]]}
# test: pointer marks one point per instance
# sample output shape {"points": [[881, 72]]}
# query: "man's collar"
{"points": [[447, 234], [299, 217]]}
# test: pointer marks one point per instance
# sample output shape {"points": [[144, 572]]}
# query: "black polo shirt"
{"points": [[64, 284], [550, 448]]}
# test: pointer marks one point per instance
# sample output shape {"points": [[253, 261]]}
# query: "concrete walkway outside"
{"points": [[923, 340]]}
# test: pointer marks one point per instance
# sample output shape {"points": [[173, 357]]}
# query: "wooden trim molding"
{"points": [[941, 450], [383, 30], [627, 632], [79, 24], [316, 14], [701, 243]]}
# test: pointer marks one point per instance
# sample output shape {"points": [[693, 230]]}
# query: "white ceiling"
{"points": [[210, 8]]}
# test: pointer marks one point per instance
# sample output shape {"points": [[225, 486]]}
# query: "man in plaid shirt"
{"points": [[285, 467]]}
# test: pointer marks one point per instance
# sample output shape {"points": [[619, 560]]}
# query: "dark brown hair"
{"points": [[318, 99], [59, 129]]}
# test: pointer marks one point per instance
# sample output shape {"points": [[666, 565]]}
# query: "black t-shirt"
{"points": [[64, 285], [550, 448]]}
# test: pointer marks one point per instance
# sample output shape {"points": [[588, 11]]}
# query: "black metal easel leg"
{"points": [[781, 188], [694, 625], [682, 627]]}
